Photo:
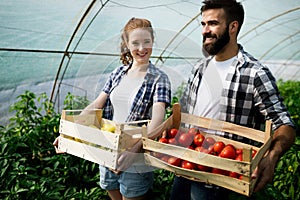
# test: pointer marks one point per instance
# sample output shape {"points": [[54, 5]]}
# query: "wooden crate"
{"points": [[81, 136], [245, 167]]}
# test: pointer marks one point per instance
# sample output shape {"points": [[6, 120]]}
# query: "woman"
{"points": [[137, 90]]}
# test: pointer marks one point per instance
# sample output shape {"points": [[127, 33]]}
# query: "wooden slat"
{"points": [[223, 126], [88, 152], [197, 157], [261, 153], [176, 116], [89, 134], [234, 184]]}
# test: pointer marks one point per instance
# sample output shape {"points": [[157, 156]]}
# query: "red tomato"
{"points": [[208, 142], [203, 168], [174, 161], [165, 158], [220, 171], [198, 148], [239, 157], [157, 154], [239, 151], [228, 152], [253, 153], [172, 133], [191, 147], [201, 149], [219, 146], [188, 165], [192, 131], [234, 175], [231, 146], [185, 139], [172, 141], [211, 149], [163, 140], [198, 139]]}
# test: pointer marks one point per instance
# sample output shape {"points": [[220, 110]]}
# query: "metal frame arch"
{"points": [[69, 54]]}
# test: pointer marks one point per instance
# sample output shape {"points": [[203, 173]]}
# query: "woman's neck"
{"points": [[138, 70]]}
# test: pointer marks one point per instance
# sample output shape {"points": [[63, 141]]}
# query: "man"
{"points": [[233, 86]]}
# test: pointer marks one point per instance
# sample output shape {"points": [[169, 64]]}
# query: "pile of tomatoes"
{"points": [[196, 140]]}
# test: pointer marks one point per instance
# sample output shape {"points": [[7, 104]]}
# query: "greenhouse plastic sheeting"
{"points": [[56, 46]]}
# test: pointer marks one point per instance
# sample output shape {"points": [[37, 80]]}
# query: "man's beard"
{"points": [[214, 48]]}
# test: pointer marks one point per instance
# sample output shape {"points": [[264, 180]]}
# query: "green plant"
{"points": [[30, 167]]}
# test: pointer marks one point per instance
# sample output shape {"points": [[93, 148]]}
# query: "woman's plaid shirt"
{"points": [[156, 87]]}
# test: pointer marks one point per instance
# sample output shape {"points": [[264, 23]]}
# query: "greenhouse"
{"points": [[70, 47]]}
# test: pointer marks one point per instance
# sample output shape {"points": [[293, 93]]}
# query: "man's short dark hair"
{"points": [[234, 11]]}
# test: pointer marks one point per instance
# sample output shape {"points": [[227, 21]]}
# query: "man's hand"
{"points": [[264, 172]]}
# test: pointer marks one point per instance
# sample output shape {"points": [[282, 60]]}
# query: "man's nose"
{"points": [[205, 29]]}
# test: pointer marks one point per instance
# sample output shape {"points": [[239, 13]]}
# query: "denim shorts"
{"points": [[130, 184]]}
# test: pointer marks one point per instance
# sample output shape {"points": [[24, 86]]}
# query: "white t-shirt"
{"points": [[210, 89], [123, 95]]}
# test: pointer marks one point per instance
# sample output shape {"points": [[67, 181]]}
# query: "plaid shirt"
{"points": [[249, 98], [156, 87]]}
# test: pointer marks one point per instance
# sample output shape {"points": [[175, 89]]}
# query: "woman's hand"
{"points": [[55, 144], [127, 157]]}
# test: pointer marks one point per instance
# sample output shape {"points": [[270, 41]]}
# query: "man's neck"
{"points": [[229, 51]]}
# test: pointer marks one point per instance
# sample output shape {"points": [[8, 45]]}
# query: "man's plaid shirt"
{"points": [[249, 98]]}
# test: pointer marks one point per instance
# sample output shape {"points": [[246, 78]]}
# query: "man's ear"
{"points": [[233, 27]]}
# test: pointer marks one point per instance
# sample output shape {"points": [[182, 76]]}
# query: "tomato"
{"points": [[192, 131], [203, 168], [174, 161], [172, 141], [208, 142], [228, 152], [231, 146], [191, 147], [188, 165], [198, 139], [185, 139], [157, 154], [234, 175], [239, 151], [211, 149], [163, 140], [253, 153], [219, 146], [165, 158], [220, 171], [239, 157], [198, 148], [172, 133]]}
